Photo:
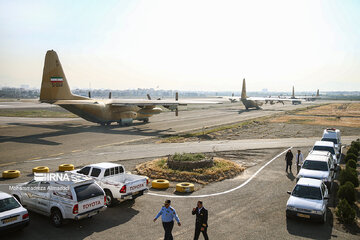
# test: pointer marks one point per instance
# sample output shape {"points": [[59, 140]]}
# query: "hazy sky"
{"points": [[186, 45]]}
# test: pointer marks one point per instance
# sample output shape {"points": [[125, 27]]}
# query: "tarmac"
{"points": [[250, 206]]}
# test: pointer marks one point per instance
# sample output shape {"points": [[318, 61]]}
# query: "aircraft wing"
{"points": [[139, 102], [132, 102], [273, 99]]}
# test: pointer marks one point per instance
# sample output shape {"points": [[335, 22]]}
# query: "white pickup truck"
{"points": [[117, 184], [77, 198]]}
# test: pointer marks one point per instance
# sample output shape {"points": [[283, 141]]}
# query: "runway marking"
{"points": [[6, 164], [44, 159], [76, 150], [34, 158], [227, 191], [55, 155], [128, 141]]}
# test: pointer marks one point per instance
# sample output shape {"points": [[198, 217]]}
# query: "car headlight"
{"points": [[318, 212], [291, 208]]}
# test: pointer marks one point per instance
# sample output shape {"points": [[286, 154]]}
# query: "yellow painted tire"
{"points": [[11, 174], [66, 167], [160, 184], [40, 169], [185, 187]]}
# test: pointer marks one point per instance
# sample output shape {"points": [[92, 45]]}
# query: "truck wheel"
{"points": [[56, 218], [323, 220], [110, 201]]}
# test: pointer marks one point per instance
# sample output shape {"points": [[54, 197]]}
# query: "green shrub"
{"points": [[188, 157], [349, 175], [350, 156], [347, 191], [345, 212], [356, 145], [351, 163], [354, 151]]}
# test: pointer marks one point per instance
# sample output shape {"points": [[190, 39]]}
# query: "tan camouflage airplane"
{"points": [[257, 102], [55, 90]]}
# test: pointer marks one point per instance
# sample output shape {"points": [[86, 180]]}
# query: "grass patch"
{"points": [[334, 114], [190, 157], [36, 113], [205, 132]]}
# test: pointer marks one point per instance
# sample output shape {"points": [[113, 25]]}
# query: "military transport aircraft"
{"points": [[306, 97], [256, 102], [55, 90]]}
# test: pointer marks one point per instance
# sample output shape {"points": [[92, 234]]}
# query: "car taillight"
{"points": [[105, 200], [147, 181], [123, 189], [25, 216], [76, 209]]}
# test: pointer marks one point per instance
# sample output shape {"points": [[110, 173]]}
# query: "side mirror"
{"points": [[289, 192]]}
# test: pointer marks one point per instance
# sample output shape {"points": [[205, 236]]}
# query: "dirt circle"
{"points": [[221, 169]]}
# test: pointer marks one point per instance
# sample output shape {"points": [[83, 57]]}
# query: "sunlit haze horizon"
{"points": [[184, 45]]}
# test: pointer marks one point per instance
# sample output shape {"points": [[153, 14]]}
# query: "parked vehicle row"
{"points": [[84, 193], [315, 179]]}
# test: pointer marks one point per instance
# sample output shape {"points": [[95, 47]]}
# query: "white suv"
{"points": [[81, 197], [328, 147], [319, 167], [308, 200]]}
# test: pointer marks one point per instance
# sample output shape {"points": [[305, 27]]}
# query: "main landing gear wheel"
{"points": [[146, 120]]}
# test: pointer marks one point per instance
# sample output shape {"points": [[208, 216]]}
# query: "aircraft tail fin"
{"points": [[243, 91], [318, 93], [54, 85], [293, 92]]}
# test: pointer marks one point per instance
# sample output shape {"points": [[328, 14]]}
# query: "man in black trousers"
{"points": [[288, 158], [201, 220]]}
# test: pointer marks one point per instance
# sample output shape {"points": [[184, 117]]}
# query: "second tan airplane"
{"points": [[55, 90]]}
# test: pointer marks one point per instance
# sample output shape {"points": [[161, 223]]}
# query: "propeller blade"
{"points": [[109, 95], [176, 112], [89, 94]]}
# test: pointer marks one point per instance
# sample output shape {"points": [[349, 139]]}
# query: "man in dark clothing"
{"points": [[288, 158], [201, 220]]}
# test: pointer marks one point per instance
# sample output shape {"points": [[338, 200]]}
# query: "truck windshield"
{"points": [[334, 140], [87, 191], [307, 192], [324, 148], [315, 165], [7, 204]]}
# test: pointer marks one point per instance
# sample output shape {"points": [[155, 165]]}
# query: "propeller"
{"points": [[148, 96], [89, 94], [109, 95]]}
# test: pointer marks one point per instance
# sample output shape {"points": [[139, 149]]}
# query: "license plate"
{"points": [[303, 215], [9, 220]]}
